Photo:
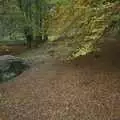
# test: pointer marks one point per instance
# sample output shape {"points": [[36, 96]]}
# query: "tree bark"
{"points": [[29, 36]]}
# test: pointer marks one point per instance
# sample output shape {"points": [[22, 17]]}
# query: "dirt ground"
{"points": [[12, 49], [86, 89]]}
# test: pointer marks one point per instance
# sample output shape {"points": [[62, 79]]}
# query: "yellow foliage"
{"points": [[86, 21]]}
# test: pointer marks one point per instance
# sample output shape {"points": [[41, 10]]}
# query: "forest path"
{"points": [[86, 89]]}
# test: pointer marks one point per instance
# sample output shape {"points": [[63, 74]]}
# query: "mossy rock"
{"points": [[11, 66]]}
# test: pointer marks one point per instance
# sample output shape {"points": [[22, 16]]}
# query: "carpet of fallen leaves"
{"points": [[12, 49], [85, 89]]}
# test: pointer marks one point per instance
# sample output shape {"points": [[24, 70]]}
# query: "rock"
{"points": [[11, 66]]}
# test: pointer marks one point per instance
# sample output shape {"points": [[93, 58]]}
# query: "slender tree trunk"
{"points": [[38, 37], [29, 37], [41, 28], [45, 37]]}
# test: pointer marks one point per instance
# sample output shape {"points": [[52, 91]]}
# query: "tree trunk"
{"points": [[45, 37], [29, 36]]}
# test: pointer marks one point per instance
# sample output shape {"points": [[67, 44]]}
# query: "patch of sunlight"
{"points": [[87, 48], [53, 38]]}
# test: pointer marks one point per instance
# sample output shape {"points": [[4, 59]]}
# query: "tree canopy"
{"points": [[84, 21]]}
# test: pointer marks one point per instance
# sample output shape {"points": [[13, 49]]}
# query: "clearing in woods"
{"points": [[85, 89]]}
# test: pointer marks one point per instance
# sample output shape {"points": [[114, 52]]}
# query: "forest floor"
{"points": [[86, 89], [12, 49]]}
